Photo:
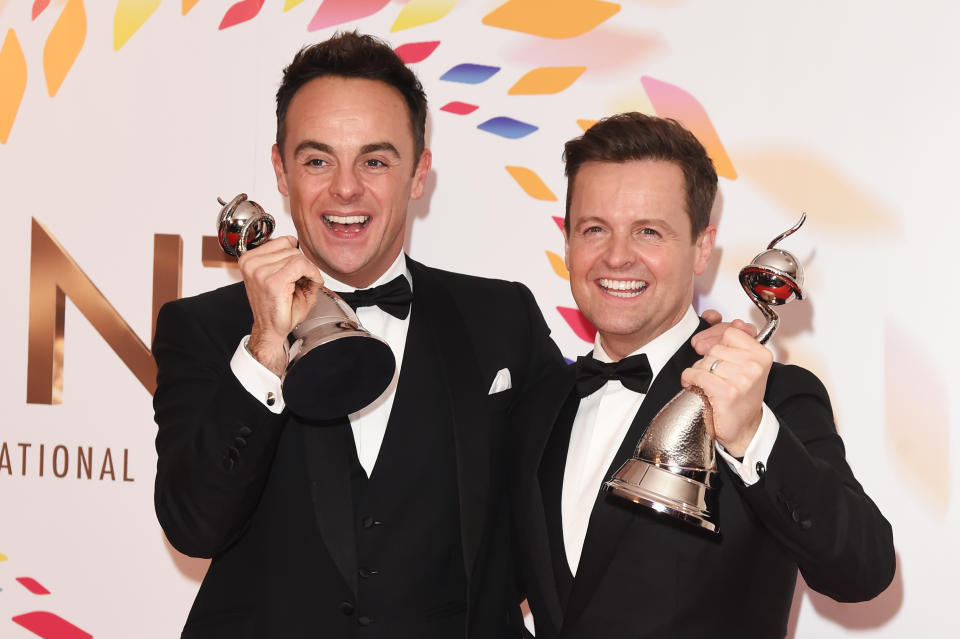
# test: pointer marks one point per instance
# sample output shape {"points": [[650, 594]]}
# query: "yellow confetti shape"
{"points": [[551, 18], [13, 83], [190, 4], [290, 4], [558, 266], [531, 183], [64, 44], [417, 12], [3, 557], [130, 16], [586, 124], [546, 80]]}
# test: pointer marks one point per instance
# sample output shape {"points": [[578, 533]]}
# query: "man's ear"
{"points": [[278, 168], [704, 247], [566, 247], [420, 174]]}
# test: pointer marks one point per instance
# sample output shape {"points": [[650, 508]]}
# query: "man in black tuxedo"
{"points": [[392, 521], [637, 230]]}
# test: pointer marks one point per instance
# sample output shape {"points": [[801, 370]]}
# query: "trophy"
{"points": [[336, 366], [673, 464]]}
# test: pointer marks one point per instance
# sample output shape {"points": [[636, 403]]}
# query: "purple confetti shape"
{"points": [[469, 73], [507, 127]]}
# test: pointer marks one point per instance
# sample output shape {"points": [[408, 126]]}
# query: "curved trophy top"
{"points": [[242, 225], [775, 276]]}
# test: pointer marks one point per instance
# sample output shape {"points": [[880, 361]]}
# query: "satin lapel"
{"points": [[327, 448], [541, 418], [611, 515], [433, 305]]}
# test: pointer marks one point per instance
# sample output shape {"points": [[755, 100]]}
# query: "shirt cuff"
{"points": [[256, 378], [755, 458]]}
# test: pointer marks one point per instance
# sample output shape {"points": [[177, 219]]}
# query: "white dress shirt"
{"points": [[369, 424], [602, 421]]}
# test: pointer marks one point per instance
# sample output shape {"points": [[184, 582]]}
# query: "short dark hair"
{"points": [[353, 55], [634, 136]]}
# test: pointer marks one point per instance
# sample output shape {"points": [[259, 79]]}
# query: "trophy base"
{"points": [[677, 492], [339, 376]]}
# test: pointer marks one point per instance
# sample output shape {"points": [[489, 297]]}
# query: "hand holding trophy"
{"points": [[336, 366], [672, 466]]}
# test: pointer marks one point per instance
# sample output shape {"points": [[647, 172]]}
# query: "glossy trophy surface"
{"points": [[336, 366], [674, 462]]}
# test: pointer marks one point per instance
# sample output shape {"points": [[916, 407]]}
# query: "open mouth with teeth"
{"points": [[346, 223], [622, 288]]}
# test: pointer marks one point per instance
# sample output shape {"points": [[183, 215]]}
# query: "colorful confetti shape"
{"points": [[673, 102], [290, 4], [469, 73], [586, 124], [50, 626], [13, 82], [63, 44], [546, 80], [241, 12], [559, 221], [531, 183], [418, 12], [556, 262], [551, 18], [334, 12], [460, 108], [38, 7], [130, 16], [507, 127], [186, 5], [33, 585], [414, 52], [3, 557], [578, 323]]}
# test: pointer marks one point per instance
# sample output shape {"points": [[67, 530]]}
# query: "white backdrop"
{"points": [[123, 119]]}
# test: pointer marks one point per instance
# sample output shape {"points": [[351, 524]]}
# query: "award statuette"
{"points": [[336, 366], [672, 466]]}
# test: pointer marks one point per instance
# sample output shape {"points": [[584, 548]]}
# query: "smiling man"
{"points": [[391, 521], [639, 194]]}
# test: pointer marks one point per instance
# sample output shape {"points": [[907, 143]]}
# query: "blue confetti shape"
{"points": [[507, 127], [469, 73]]}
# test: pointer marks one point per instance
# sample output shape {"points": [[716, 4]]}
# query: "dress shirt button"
{"points": [[346, 608], [364, 620], [761, 469], [366, 573]]}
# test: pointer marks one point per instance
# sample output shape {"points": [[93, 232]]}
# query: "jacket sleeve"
{"points": [[215, 442], [810, 501]]}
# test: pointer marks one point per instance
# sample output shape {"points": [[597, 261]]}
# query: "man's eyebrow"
{"points": [[313, 146], [380, 146]]}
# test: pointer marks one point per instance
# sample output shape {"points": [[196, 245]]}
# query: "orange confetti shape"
{"points": [[13, 82], [129, 17], [558, 266], [64, 44], [551, 18], [531, 183], [546, 80], [186, 5], [586, 124]]}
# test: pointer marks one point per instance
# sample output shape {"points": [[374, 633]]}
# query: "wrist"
{"points": [[271, 353]]}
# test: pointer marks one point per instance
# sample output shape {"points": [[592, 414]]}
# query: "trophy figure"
{"points": [[336, 366], [673, 464]]}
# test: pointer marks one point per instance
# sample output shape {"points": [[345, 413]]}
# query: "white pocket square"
{"points": [[501, 382]]}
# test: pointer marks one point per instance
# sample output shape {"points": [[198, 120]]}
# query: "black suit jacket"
{"points": [[229, 470], [642, 574]]}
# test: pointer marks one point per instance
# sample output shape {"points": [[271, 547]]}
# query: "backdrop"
{"points": [[121, 122]]}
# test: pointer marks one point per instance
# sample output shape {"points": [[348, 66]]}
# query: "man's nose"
{"points": [[346, 185], [620, 252]]}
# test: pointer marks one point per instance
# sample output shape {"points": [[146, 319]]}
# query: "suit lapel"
{"points": [[612, 516]]}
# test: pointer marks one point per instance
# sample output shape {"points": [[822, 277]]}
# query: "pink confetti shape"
{"points": [[415, 51], [333, 12], [38, 7], [578, 323], [460, 108], [241, 12], [33, 585], [559, 221], [50, 626]]}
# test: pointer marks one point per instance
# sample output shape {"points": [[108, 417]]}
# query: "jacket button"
{"points": [[366, 573], [245, 431], [346, 608], [369, 522], [364, 621], [227, 463]]}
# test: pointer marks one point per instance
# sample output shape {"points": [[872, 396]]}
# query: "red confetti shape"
{"points": [[33, 585], [580, 324], [50, 626], [416, 51], [460, 108], [38, 7], [559, 221], [334, 12], [241, 12]]}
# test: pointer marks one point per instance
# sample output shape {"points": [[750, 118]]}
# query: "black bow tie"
{"points": [[394, 297], [633, 372]]}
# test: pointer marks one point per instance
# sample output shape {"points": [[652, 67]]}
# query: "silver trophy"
{"points": [[336, 366], [672, 466]]}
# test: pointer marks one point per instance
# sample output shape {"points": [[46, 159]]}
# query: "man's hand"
{"points": [[281, 286], [734, 387], [705, 340]]}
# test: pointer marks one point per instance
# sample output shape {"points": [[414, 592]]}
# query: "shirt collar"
{"points": [[399, 267], [661, 348]]}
